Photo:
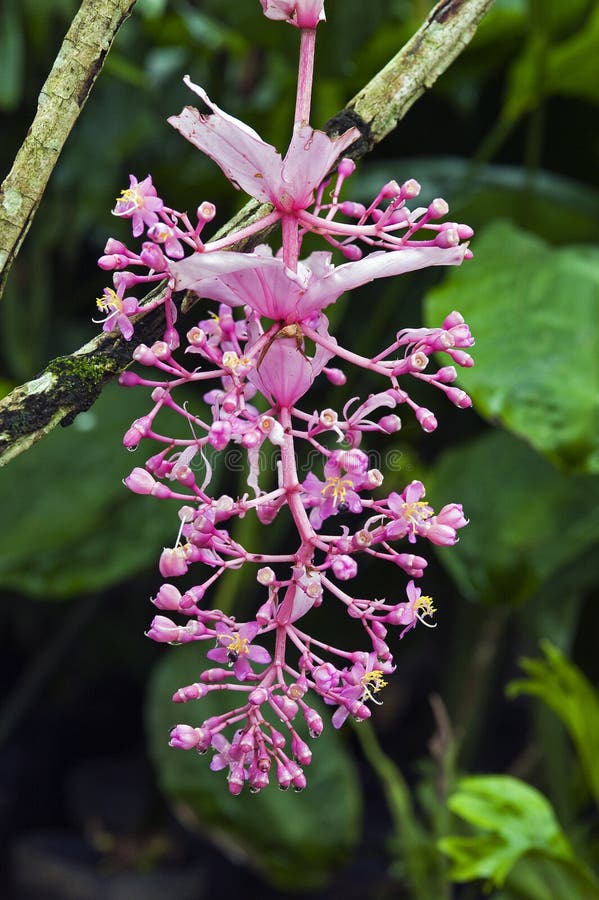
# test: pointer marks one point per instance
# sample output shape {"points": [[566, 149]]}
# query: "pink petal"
{"points": [[382, 264], [247, 161], [259, 654], [310, 156]]}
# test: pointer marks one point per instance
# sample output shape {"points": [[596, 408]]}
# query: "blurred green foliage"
{"points": [[510, 136]]}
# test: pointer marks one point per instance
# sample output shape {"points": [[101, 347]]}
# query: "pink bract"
{"points": [[256, 167]]}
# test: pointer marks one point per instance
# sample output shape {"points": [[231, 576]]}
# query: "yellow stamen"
{"points": [[236, 644], [131, 195], [336, 488], [110, 302], [372, 683], [416, 512], [425, 606]]}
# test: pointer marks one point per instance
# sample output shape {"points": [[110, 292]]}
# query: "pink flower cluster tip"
{"points": [[250, 360]]}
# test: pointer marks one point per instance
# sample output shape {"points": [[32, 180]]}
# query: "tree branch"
{"points": [[71, 384], [61, 99]]}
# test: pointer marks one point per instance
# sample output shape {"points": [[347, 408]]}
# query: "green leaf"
{"points": [[68, 523], [534, 312], [565, 690], [528, 521], [295, 840], [519, 820], [567, 68]]}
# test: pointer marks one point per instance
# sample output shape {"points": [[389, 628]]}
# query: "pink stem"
{"points": [[304, 77]]}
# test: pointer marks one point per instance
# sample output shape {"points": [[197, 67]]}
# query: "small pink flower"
{"points": [[235, 648], [338, 493], [140, 203], [118, 310], [411, 513]]}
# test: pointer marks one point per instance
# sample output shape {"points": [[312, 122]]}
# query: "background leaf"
{"points": [[527, 519], [565, 690], [518, 818]]}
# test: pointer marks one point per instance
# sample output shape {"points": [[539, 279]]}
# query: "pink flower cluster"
{"points": [[255, 358]]}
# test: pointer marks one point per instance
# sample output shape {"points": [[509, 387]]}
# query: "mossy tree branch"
{"points": [[71, 384], [61, 99]]}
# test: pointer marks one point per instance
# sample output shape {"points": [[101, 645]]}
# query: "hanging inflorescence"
{"points": [[255, 357]]}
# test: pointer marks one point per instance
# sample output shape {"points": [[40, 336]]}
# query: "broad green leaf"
{"points": [[528, 521], [68, 523], [516, 818], [296, 840], [565, 690], [534, 311]]}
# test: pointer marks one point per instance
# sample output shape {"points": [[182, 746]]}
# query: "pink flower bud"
{"points": [[344, 567], [236, 779], [163, 630], [215, 676], [346, 167], [459, 398], [287, 708], [144, 355], [426, 419], [301, 751], [138, 430], [410, 189], [335, 376], [283, 776], [313, 721], [184, 737], [258, 697], [438, 208], [351, 252], [140, 481], [219, 435], [206, 211], [153, 257], [173, 562], [390, 424], [446, 375], [168, 598], [353, 210]]}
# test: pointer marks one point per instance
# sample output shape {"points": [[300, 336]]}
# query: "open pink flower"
{"points": [[264, 283], [140, 203], [118, 311], [255, 166], [338, 493], [235, 648]]}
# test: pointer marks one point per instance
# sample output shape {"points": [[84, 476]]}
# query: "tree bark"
{"points": [[61, 99]]}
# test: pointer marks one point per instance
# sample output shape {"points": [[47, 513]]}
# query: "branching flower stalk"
{"points": [[258, 356]]}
